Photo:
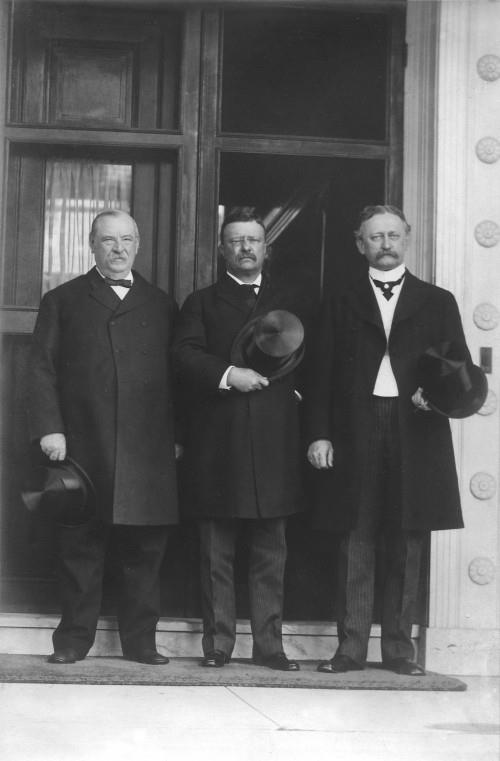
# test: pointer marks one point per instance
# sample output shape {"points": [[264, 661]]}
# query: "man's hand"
{"points": [[244, 379], [320, 454], [54, 446], [419, 400]]}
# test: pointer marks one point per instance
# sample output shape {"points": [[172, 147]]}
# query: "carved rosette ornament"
{"points": [[483, 485], [481, 571], [487, 233], [490, 405], [488, 67], [486, 316], [488, 150]]}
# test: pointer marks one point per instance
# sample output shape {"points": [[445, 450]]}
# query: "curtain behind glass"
{"points": [[75, 191]]}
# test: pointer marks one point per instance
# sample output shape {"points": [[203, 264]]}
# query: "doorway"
{"points": [[297, 111]]}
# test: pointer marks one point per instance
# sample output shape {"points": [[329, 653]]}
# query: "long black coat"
{"points": [[100, 375], [350, 346], [242, 456]]}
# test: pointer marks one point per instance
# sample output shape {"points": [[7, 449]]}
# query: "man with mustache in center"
{"points": [[242, 457]]}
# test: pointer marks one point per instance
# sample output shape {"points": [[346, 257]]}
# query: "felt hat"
{"points": [[65, 492], [452, 385], [271, 344]]}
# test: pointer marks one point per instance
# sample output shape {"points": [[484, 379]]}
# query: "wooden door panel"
{"points": [[104, 68]]}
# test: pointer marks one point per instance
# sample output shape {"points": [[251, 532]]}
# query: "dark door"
{"points": [[176, 115]]}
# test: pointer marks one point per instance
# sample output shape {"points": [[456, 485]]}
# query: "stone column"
{"points": [[463, 632]]}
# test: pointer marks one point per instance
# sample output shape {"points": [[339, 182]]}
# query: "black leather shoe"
{"points": [[339, 664], [64, 655], [278, 661], [150, 657], [215, 659], [404, 666]]}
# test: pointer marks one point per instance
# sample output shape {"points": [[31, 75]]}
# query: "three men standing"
{"points": [[242, 456]]}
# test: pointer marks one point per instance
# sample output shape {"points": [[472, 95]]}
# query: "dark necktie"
{"points": [[249, 294], [387, 287], [124, 283]]}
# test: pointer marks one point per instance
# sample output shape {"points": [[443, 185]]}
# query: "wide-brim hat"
{"points": [[64, 492], [452, 385], [272, 344]]}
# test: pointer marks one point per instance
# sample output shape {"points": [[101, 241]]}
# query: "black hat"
{"points": [[66, 493], [271, 344], [451, 384]]}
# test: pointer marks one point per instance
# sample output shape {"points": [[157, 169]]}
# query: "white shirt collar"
{"points": [[256, 282], [128, 276], [387, 275]]}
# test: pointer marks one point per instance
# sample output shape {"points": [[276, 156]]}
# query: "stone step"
{"points": [[26, 633]]}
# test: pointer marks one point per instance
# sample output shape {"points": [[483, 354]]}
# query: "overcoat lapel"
{"points": [[363, 301], [103, 293], [413, 295], [227, 290]]}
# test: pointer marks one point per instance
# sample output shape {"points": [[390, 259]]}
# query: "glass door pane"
{"points": [[75, 191]]}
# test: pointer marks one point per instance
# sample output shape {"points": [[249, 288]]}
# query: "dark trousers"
{"points": [[267, 559], [379, 518], [81, 552]]}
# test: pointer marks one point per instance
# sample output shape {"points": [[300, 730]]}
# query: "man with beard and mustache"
{"points": [[242, 457]]}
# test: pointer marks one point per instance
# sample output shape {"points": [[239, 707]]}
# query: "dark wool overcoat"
{"points": [[100, 375], [350, 345], [242, 455]]}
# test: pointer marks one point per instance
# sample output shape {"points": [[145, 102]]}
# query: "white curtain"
{"points": [[75, 191]]}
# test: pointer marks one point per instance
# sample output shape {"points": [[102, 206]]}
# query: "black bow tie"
{"points": [[124, 283], [386, 287]]}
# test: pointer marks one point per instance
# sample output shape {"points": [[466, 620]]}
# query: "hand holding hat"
{"points": [[451, 384], [271, 344], [65, 493]]}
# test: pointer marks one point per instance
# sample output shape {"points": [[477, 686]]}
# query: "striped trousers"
{"points": [[379, 518], [267, 557]]}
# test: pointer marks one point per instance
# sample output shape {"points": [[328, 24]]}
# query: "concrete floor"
{"points": [[58, 722]]}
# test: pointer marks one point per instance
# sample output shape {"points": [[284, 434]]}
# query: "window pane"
{"points": [[320, 74], [75, 191]]}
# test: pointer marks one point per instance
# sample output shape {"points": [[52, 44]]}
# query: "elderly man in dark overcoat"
{"points": [[101, 394], [242, 458], [386, 460]]}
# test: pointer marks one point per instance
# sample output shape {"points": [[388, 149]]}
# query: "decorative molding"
{"points": [[487, 233], [481, 571], [486, 316], [488, 67], [483, 485], [488, 150], [422, 26]]}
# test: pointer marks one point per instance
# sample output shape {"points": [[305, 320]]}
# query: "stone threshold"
{"points": [[31, 633]]}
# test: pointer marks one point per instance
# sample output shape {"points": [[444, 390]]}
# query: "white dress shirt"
{"points": [[385, 384], [120, 290]]}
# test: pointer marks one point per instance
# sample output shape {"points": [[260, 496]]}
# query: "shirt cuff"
{"points": [[223, 385]]}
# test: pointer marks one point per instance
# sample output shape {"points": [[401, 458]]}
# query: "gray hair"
{"points": [[111, 213], [371, 211]]}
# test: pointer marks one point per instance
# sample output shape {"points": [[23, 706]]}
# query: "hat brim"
{"points": [[470, 403], [244, 337]]}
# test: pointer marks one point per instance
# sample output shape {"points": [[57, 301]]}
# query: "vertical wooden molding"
{"points": [[419, 134], [4, 29], [187, 158]]}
